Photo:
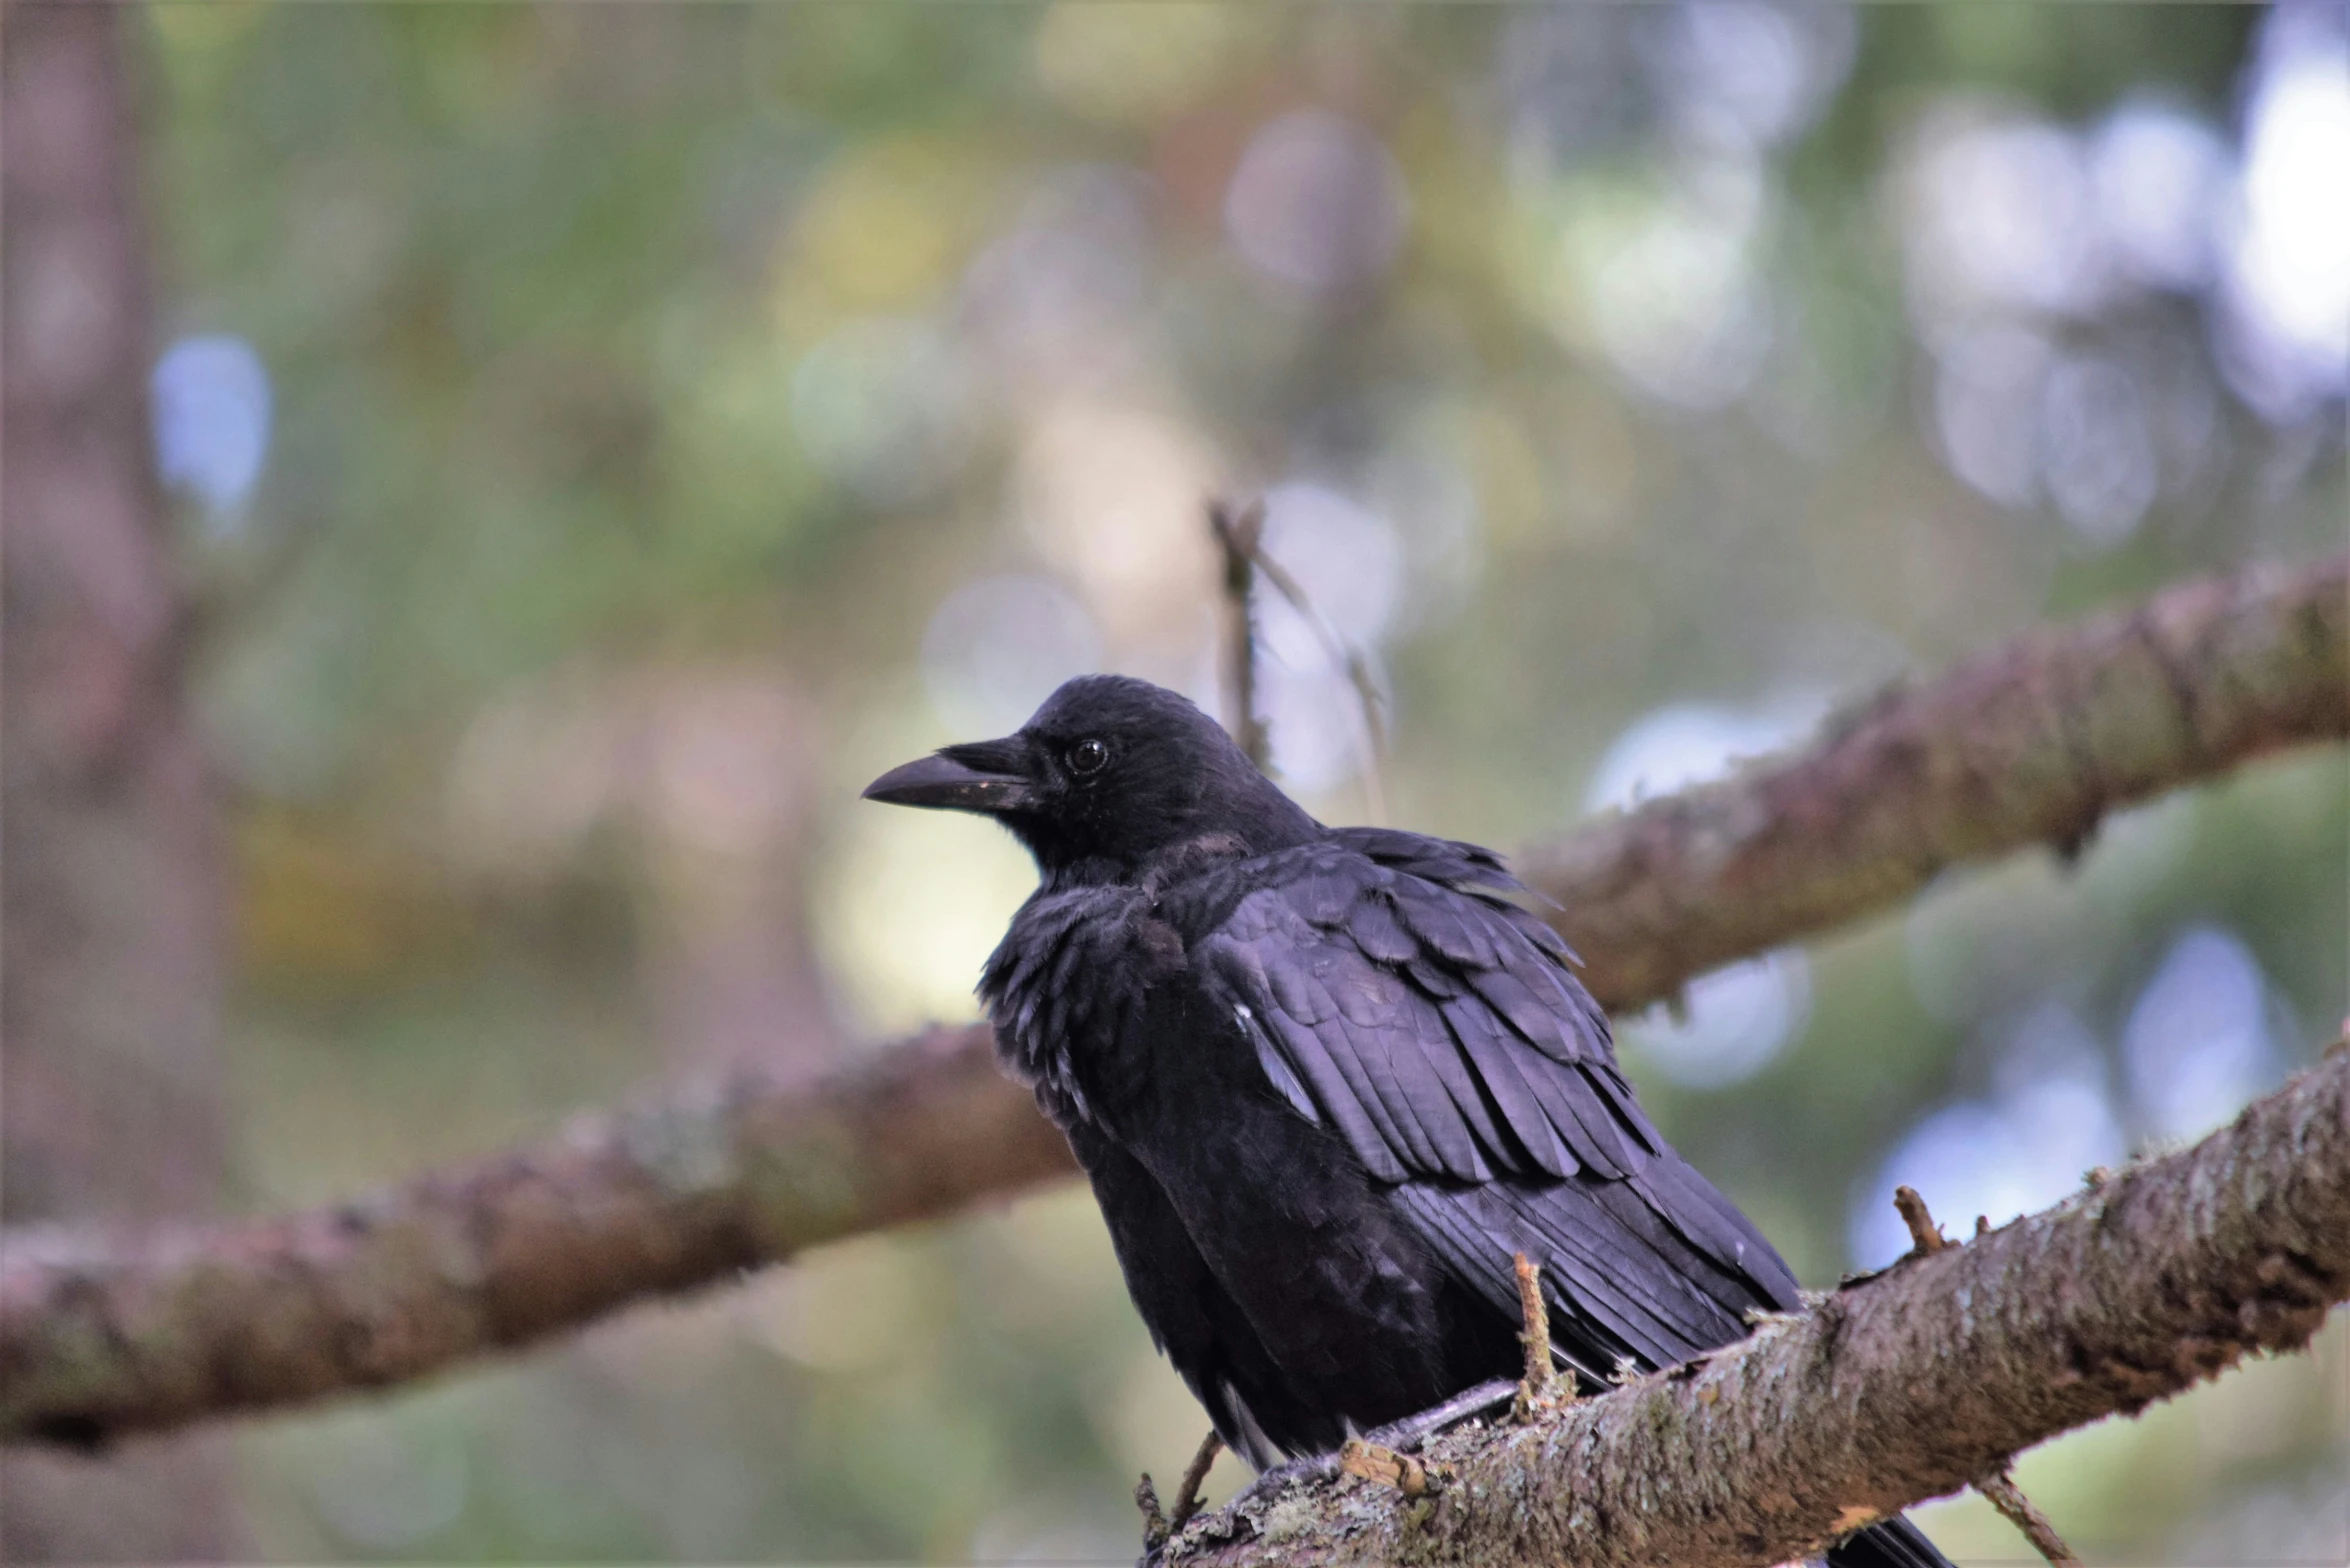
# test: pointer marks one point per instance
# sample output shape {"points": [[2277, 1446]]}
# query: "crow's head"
{"points": [[1108, 777]]}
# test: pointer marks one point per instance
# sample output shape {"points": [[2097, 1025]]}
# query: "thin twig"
{"points": [[1238, 530], [1534, 1394], [1187, 1496], [2001, 1492], [1998, 1488], [1240, 534]]}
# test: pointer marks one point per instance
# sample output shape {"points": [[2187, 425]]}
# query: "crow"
{"points": [[1325, 1083]]}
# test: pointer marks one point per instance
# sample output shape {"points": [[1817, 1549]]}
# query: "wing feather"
{"points": [[1442, 1034], [1343, 1095], [1606, 1271], [1377, 932], [1394, 1098], [1472, 1139], [1343, 1022], [1486, 1045], [1709, 1222], [1406, 1009], [1456, 928], [1276, 1065]]}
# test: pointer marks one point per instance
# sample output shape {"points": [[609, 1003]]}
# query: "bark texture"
{"points": [[99, 1338], [1893, 1390], [2031, 744], [113, 902], [107, 1334]]}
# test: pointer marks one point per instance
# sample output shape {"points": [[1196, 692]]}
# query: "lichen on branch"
{"points": [[2033, 743], [1901, 1387], [101, 1336]]}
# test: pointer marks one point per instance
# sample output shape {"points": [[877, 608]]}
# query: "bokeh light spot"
{"points": [[1349, 561], [2159, 174], [2289, 269], [1111, 498], [2000, 214], [1747, 71], [883, 406], [915, 901], [1987, 390], [1734, 1022], [212, 417], [1689, 743], [2198, 1045], [1316, 200], [996, 648], [2097, 448]]}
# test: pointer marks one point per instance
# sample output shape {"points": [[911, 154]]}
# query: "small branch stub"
{"points": [[1925, 1236], [1158, 1525]]}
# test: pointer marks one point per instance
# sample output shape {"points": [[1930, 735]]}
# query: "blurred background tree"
{"points": [[603, 436], [115, 907]]}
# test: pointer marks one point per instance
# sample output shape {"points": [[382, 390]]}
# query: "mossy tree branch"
{"points": [[2033, 743], [104, 1334], [1901, 1387]]}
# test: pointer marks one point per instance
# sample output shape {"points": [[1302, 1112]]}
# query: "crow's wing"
{"points": [[1439, 1030], [1394, 997]]}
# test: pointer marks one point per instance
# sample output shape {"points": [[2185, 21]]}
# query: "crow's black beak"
{"points": [[985, 777]]}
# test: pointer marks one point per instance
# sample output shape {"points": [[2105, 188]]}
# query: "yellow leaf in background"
{"points": [[1132, 64], [201, 28], [318, 907], [885, 227]]}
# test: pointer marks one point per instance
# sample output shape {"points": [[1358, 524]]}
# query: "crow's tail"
{"points": [[1894, 1544]]}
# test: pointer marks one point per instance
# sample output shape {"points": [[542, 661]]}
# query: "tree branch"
{"points": [[1905, 1386], [101, 1335], [2031, 744], [106, 1334]]}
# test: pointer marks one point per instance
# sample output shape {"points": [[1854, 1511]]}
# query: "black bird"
{"points": [[1326, 1081]]}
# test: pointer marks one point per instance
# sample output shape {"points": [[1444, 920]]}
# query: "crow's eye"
{"points": [[1088, 756]]}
